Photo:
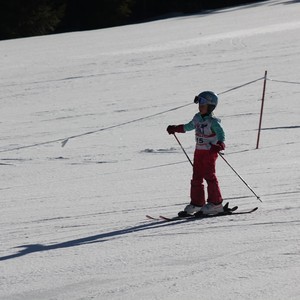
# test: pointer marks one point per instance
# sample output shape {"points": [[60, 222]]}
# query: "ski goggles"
{"points": [[200, 100]]}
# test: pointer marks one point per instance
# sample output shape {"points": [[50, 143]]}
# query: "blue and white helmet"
{"points": [[207, 97]]}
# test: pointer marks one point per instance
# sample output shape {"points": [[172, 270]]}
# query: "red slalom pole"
{"points": [[261, 109]]}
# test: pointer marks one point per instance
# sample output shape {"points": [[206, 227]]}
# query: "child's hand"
{"points": [[175, 128], [216, 148]]}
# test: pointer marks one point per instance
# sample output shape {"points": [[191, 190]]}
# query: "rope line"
{"points": [[65, 140], [283, 81], [240, 86]]}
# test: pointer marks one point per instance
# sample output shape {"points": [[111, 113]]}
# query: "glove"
{"points": [[175, 128], [216, 148]]}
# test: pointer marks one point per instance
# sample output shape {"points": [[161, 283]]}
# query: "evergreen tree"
{"points": [[93, 14], [19, 18]]}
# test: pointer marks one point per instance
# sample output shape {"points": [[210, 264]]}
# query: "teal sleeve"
{"points": [[189, 126], [218, 130]]}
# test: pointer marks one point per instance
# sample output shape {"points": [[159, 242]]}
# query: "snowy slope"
{"points": [[73, 220]]}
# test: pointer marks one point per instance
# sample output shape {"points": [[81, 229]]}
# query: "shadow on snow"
{"points": [[103, 237]]}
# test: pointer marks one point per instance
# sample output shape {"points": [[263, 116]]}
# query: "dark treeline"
{"points": [[23, 18]]}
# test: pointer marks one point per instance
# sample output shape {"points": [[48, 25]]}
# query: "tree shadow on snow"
{"points": [[99, 238]]}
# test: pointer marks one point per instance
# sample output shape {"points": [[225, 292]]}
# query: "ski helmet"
{"points": [[209, 98]]}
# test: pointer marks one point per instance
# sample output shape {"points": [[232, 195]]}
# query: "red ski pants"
{"points": [[205, 168]]}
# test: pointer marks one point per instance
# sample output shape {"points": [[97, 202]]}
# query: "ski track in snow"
{"points": [[73, 222]]}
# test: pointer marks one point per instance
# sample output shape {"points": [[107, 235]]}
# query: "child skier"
{"points": [[210, 139]]}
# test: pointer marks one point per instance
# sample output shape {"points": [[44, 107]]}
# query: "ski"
{"points": [[193, 217], [152, 218], [229, 212]]}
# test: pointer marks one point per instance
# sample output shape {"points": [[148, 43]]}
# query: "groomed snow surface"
{"points": [[73, 222]]}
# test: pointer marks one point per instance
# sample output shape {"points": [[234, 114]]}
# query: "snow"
{"points": [[73, 220]]}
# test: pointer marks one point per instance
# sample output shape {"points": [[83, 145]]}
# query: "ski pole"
{"points": [[221, 155], [183, 149]]}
